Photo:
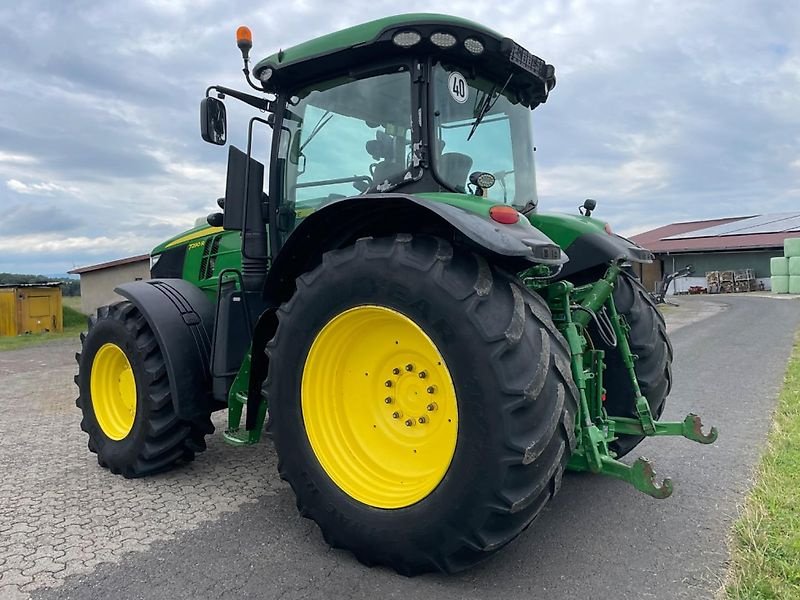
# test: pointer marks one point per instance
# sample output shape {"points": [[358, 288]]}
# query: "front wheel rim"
{"points": [[379, 407], [113, 389]]}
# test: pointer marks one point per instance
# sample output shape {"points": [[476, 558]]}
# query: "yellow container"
{"points": [[30, 308]]}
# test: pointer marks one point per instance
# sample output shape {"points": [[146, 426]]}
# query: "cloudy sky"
{"points": [[664, 111]]}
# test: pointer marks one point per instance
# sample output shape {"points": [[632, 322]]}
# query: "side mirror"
{"points": [[213, 121], [588, 207]]}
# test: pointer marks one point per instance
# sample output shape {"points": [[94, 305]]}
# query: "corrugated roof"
{"points": [[710, 235], [31, 285], [773, 223], [108, 265]]}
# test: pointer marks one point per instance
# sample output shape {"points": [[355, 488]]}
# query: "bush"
{"points": [[73, 318]]}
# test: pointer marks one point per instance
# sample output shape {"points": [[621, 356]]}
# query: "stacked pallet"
{"points": [[712, 282], [744, 280], [785, 270], [726, 282]]}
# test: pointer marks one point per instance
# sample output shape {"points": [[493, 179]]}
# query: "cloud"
{"points": [[627, 179], [25, 219], [23, 159], [43, 244], [46, 188], [663, 111]]}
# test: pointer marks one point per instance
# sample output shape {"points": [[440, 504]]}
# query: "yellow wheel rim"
{"points": [[113, 390], [379, 407]]}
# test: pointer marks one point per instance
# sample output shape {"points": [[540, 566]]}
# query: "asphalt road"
{"points": [[221, 538]]}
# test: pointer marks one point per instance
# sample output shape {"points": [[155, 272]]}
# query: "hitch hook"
{"points": [[643, 479], [640, 475], [693, 430]]}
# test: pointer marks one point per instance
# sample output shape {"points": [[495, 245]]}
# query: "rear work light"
{"points": [[406, 39], [473, 46], [507, 215], [443, 40]]}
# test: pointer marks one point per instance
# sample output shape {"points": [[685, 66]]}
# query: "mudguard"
{"points": [[342, 221], [587, 241], [594, 249], [182, 319]]}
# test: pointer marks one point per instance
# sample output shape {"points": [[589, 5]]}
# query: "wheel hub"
{"points": [[413, 397]]}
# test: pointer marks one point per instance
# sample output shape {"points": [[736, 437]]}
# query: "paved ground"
{"points": [[227, 527]]}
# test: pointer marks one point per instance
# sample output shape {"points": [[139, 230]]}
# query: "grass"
{"points": [[74, 302], [74, 323], [765, 549]]}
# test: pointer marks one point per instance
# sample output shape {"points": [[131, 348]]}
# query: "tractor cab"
{"points": [[411, 104], [415, 103]]}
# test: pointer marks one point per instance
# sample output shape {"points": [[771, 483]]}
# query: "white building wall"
{"points": [[97, 287]]}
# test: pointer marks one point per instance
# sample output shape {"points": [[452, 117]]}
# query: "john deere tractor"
{"points": [[431, 351]]}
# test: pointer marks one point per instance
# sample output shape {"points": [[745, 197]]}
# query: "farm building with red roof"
{"points": [[728, 244]]}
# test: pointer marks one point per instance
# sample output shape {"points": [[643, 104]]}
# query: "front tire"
{"points": [[440, 493], [125, 397]]}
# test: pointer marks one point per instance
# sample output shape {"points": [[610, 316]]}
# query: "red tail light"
{"points": [[506, 215]]}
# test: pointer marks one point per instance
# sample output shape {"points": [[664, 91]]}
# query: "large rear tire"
{"points": [[125, 397], [421, 403], [653, 367]]}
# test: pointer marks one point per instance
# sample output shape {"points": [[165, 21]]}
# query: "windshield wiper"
{"points": [[317, 128], [485, 104]]}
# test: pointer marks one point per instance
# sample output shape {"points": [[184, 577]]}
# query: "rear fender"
{"points": [[341, 222], [594, 249], [587, 241]]}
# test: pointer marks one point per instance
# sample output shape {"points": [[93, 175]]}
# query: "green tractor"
{"points": [[431, 351]]}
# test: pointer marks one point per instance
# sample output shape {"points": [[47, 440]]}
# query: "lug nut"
{"points": [[409, 422], [431, 407], [388, 383], [387, 400], [423, 374], [422, 419], [397, 414], [430, 389], [396, 371], [409, 367]]}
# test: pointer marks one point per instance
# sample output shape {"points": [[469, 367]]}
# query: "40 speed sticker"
{"points": [[458, 87]]}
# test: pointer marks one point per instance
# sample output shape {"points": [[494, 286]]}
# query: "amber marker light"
{"points": [[244, 37]]}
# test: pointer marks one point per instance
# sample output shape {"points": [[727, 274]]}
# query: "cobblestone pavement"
{"points": [[227, 518], [61, 514]]}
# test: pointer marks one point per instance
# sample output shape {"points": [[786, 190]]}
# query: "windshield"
{"points": [[501, 143], [346, 138]]}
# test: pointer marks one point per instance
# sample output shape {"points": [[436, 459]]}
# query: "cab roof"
{"points": [[362, 46]]}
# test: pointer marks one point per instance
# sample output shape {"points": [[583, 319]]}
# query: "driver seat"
{"points": [[454, 168], [385, 170]]}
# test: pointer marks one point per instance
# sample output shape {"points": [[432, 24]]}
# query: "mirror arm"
{"points": [[254, 101], [246, 72]]}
